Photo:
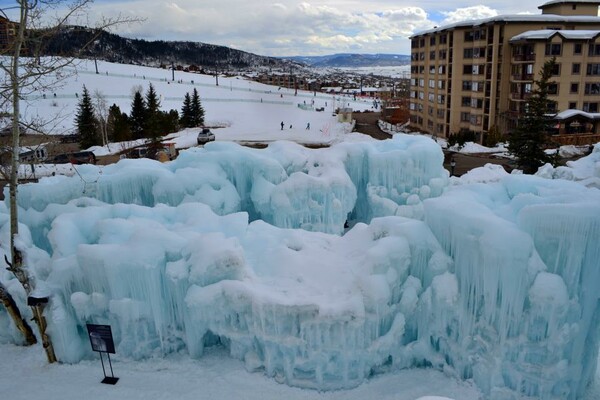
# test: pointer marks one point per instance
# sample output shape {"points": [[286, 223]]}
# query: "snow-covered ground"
{"points": [[237, 110], [25, 374]]}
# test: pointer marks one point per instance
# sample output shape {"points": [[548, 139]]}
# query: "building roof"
{"points": [[553, 2], [514, 18], [563, 115], [545, 34]]}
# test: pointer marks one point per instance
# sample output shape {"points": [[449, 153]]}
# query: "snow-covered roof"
{"points": [[548, 33], [574, 113], [553, 2], [514, 18]]}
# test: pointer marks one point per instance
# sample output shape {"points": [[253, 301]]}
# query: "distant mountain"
{"points": [[352, 60], [114, 48]]}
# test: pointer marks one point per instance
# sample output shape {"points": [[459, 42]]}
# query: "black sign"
{"points": [[101, 338]]}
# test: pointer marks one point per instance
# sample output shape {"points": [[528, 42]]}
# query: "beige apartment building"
{"points": [[477, 75]]}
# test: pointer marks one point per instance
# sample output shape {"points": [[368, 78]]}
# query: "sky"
{"points": [[295, 27]]}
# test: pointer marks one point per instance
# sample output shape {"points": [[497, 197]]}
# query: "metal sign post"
{"points": [[102, 341]]}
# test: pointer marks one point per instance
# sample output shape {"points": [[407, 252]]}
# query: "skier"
{"points": [[281, 125], [308, 126]]}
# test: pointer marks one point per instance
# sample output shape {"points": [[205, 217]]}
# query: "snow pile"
{"points": [[487, 173], [586, 170], [491, 282], [572, 151], [472, 147]]}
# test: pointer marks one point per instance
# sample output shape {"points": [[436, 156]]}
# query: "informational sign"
{"points": [[101, 338]]}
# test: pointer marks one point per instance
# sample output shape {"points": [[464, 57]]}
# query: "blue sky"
{"points": [[293, 27]]}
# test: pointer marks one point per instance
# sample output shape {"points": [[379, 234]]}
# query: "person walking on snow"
{"points": [[308, 126], [281, 125]]}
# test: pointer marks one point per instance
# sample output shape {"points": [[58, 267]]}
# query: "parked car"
{"points": [[205, 136], [82, 157], [70, 138]]}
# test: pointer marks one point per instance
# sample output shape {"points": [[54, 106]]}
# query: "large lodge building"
{"points": [[477, 75]]}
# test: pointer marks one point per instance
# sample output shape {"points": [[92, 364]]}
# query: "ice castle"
{"points": [[249, 249]]}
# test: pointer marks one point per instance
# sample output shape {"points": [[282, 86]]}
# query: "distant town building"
{"points": [[8, 31]]}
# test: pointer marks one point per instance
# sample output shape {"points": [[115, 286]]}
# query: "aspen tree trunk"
{"points": [[16, 265], [13, 311]]}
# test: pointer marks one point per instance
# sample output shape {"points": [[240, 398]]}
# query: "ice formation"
{"points": [[493, 282]]}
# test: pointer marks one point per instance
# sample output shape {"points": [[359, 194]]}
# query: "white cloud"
{"points": [[475, 12], [291, 27]]}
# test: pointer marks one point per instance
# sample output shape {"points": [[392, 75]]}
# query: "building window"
{"points": [[441, 84], [469, 36], [594, 50], [468, 53], [442, 54], [552, 88], [421, 82], [432, 41], [572, 105], [431, 83], [590, 107], [592, 88], [574, 87], [553, 49], [443, 39], [432, 55], [577, 48], [475, 120], [593, 69], [465, 101], [465, 117], [576, 68], [555, 69]]}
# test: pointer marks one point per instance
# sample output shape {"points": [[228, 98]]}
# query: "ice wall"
{"points": [[526, 259], [492, 282], [285, 184]]}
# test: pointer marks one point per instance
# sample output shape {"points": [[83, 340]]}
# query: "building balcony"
{"points": [[522, 77], [520, 96], [523, 57]]}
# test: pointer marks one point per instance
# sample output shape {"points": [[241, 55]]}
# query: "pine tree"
{"points": [[152, 101], [118, 125], [87, 126], [137, 120], [197, 112], [153, 114], [528, 141], [186, 112]]}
